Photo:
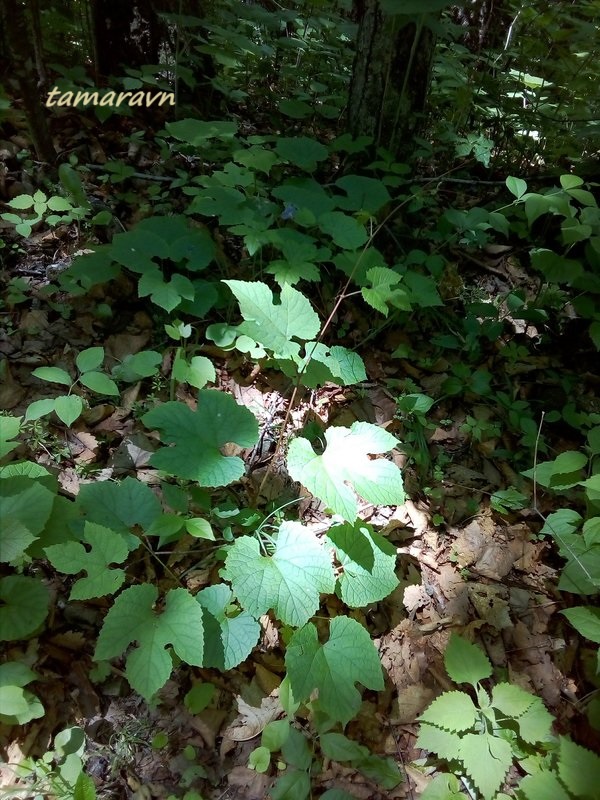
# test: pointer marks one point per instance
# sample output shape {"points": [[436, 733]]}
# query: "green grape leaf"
{"points": [[487, 760], [199, 436], [345, 231], [334, 667], [301, 151], [288, 581], [543, 785], [346, 461], [578, 769], [9, 428], [385, 291], [120, 506], [275, 326], [436, 740], [68, 408], [585, 620], [89, 359], [363, 194], [100, 383], [368, 564], [465, 662], [511, 700], [23, 606], [106, 547], [132, 619], [453, 711], [229, 635]]}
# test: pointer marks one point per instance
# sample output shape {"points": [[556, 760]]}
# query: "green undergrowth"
{"points": [[308, 245]]}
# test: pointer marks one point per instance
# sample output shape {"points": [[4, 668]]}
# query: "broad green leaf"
{"points": [[68, 408], [443, 743], [585, 620], [543, 786], [453, 711], [535, 724], [199, 697], [344, 230], [199, 528], [368, 564], [15, 673], [295, 750], [340, 748], [119, 506], [199, 436], [333, 668], [275, 326], [296, 109], [487, 760], [132, 619], [12, 701], [25, 507], [85, 788], [23, 606], [105, 547], [301, 151], [305, 193], [363, 194], [167, 294], [516, 186], [384, 290], [288, 581], [197, 132], [260, 759], [293, 271], [229, 635], [323, 364], [382, 770], [138, 365], [581, 573], [511, 700], [9, 428], [257, 158], [292, 785], [579, 769], [275, 734], [22, 202], [53, 375], [90, 359], [465, 662], [39, 408], [198, 372], [100, 383], [346, 461]]}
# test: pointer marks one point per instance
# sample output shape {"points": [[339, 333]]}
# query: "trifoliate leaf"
{"points": [[511, 700], [132, 619], [107, 547], [229, 635], [346, 461], [453, 711], [288, 581], [579, 769], [368, 564], [199, 436], [443, 743], [334, 667], [275, 326], [486, 759], [23, 606], [465, 662]]}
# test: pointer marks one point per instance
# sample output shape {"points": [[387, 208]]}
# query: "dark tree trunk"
{"points": [[391, 76], [127, 34], [24, 70]]}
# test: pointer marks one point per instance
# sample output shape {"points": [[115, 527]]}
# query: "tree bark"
{"points": [[391, 76], [24, 69]]}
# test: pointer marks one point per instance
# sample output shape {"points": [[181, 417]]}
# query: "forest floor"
{"points": [[461, 563]]}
